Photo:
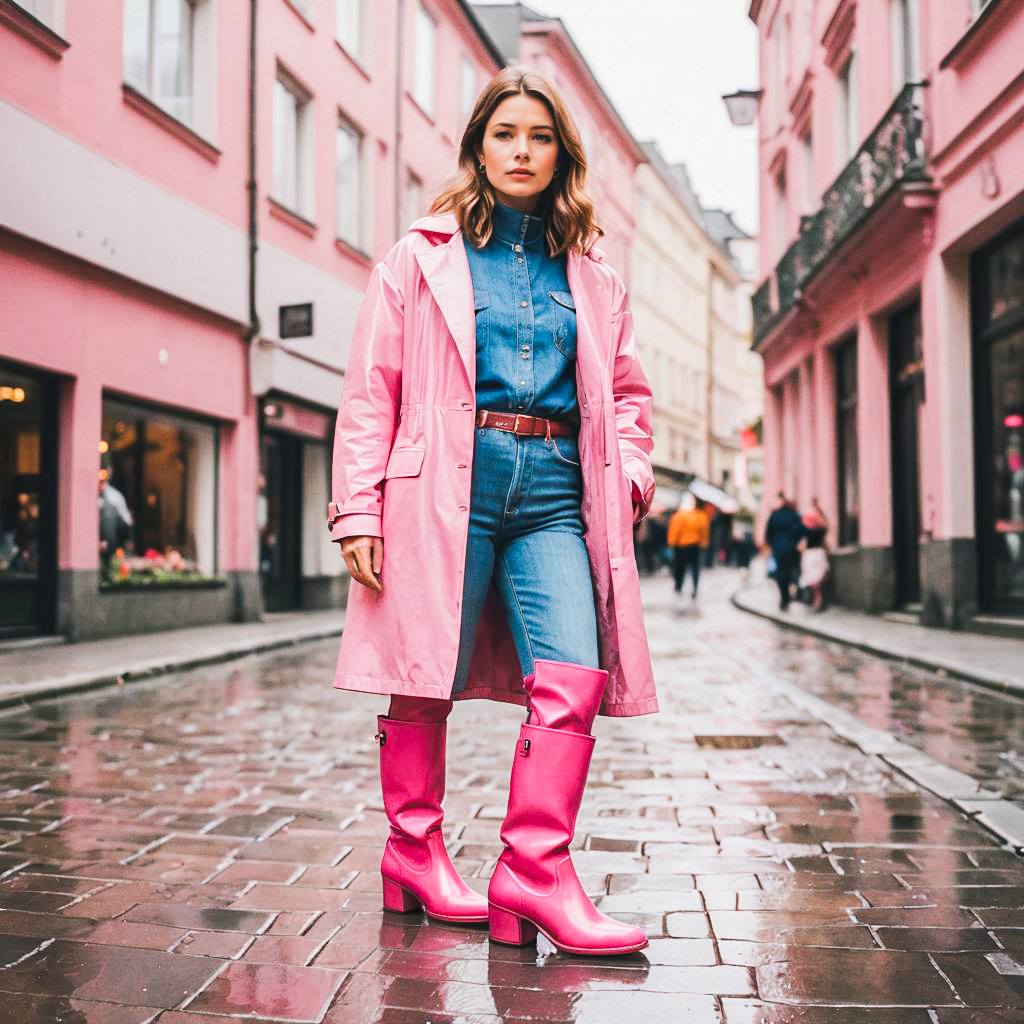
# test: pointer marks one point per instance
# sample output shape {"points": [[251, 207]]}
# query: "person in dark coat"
{"points": [[782, 534]]}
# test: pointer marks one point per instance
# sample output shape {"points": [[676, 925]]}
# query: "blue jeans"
{"points": [[526, 532]]}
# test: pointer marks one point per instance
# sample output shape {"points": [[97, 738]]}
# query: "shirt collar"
{"points": [[514, 227]]}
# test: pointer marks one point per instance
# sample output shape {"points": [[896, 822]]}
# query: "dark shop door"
{"points": [[281, 521], [28, 502], [906, 381]]}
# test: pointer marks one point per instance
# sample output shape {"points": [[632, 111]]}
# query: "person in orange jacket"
{"points": [[689, 532]]}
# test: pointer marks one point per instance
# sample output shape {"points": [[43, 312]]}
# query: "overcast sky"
{"points": [[665, 64]]}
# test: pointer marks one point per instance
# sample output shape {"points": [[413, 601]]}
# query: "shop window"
{"points": [[846, 438], [1006, 280], [157, 497]]}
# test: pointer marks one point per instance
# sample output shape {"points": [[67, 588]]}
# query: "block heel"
{"points": [[399, 900], [509, 929]]}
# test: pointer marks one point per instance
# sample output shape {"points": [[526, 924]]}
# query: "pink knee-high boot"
{"points": [[534, 886], [416, 870]]}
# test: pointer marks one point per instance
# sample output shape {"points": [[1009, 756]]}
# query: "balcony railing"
{"points": [[892, 155]]}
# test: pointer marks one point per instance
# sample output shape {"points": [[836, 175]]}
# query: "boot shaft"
{"points": [[412, 774], [565, 696]]}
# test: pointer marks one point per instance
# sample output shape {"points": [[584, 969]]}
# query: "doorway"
{"points": [[997, 280], [28, 502], [906, 392], [281, 520]]}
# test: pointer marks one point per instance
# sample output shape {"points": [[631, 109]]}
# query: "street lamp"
{"points": [[743, 105]]}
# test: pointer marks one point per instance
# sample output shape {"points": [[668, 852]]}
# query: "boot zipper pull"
{"points": [[380, 737], [526, 748]]}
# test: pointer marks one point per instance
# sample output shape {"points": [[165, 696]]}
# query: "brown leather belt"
{"points": [[523, 426]]}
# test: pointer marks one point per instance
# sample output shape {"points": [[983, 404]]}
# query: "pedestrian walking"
{"points": [[491, 459], [814, 564], [689, 534], [783, 533]]}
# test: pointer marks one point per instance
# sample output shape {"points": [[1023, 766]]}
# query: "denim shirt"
{"points": [[525, 322]]}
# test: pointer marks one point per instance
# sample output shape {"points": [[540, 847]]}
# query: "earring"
{"points": [[483, 167]]}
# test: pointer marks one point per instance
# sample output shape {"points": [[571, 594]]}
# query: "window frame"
{"points": [[346, 126], [356, 51], [421, 78], [304, 200]]}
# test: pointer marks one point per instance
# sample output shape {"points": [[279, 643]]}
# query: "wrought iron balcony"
{"points": [[892, 155]]}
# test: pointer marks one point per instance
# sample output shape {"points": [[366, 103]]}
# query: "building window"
{"points": [[157, 496], [781, 211], [904, 43], [49, 12], [413, 199], [847, 123], [292, 184], [423, 83], [348, 26], [159, 53], [846, 436], [469, 90], [349, 184], [807, 154]]}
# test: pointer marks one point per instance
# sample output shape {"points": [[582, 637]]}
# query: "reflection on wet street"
{"points": [[974, 730], [204, 847]]}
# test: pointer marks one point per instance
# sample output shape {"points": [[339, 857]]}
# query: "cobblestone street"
{"points": [[203, 847]]}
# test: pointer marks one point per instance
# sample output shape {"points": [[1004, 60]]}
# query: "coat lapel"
{"points": [[589, 358], [445, 268]]}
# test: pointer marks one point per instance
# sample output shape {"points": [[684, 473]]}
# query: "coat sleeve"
{"points": [[368, 414], [632, 396]]}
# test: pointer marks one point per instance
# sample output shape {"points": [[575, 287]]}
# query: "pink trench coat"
{"points": [[403, 459]]}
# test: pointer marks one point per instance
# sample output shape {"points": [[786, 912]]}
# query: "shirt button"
{"points": [[524, 303], [522, 382], [517, 248], [520, 259], [526, 355]]}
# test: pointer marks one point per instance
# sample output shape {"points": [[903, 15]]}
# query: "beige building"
{"points": [[690, 296]]}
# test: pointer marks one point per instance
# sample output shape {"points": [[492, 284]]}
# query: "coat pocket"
{"points": [[404, 462]]}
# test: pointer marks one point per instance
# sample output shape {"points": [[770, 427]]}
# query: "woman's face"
{"points": [[520, 151]]}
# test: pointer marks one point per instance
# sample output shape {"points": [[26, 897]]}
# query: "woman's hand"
{"points": [[364, 556]]}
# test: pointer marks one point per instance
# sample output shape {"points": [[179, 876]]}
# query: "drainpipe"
{"points": [[399, 81], [253, 330]]}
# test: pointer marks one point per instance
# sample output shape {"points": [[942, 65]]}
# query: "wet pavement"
{"points": [[203, 847]]}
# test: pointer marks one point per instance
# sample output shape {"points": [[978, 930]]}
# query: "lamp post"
{"points": [[743, 106]]}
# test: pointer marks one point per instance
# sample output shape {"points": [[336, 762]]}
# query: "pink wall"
{"points": [[102, 333], [81, 95]]}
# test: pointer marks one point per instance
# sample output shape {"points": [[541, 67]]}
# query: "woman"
{"points": [[490, 461]]}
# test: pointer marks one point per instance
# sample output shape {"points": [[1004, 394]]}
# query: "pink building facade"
{"points": [[166, 399], [890, 314]]}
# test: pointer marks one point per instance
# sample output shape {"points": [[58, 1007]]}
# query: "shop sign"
{"points": [[296, 321]]}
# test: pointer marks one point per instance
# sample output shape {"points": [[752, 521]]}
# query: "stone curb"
{"points": [[138, 671], [990, 680], [1002, 817]]}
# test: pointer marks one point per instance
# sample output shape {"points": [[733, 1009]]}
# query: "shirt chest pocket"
{"points": [[482, 311], [563, 311]]}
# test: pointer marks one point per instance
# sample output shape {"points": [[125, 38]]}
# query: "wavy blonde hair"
{"points": [[565, 206]]}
